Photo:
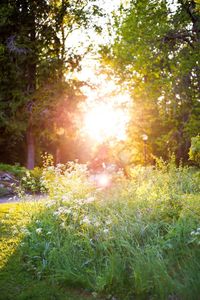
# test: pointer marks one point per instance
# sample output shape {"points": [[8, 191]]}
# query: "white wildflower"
{"points": [[97, 224], [56, 213], [26, 231], [67, 197], [86, 220], [15, 231], [62, 225], [108, 222], [38, 230], [79, 201], [61, 211], [89, 200], [106, 230], [50, 203], [75, 215]]}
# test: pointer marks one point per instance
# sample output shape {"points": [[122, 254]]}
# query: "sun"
{"points": [[104, 122], [106, 111]]}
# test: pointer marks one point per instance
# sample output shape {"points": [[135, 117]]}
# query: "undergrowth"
{"points": [[137, 239]]}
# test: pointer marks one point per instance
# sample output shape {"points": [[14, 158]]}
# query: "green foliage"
{"points": [[194, 152], [64, 178], [35, 56], [156, 54], [16, 169], [32, 181], [138, 239]]}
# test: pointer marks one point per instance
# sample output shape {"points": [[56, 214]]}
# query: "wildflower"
{"points": [[15, 231], [97, 224], [108, 222], [106, 230], [67, 197], [89, 200], [56, 213], [86, 220], [75, 215], [62, 225], [38, 230], [26, 231], [80, 201], [50, 203]]}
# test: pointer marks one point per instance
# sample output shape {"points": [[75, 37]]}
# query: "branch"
{"points": [[185, 36]]}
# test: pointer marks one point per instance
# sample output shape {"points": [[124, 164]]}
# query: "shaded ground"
{"points": [[13, 199], [7, 199]]}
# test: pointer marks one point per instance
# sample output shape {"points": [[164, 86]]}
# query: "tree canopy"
{"points": [[35, 97], [155, 55]]}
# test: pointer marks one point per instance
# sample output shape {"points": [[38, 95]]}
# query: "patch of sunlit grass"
{"points": [[14, 218]]}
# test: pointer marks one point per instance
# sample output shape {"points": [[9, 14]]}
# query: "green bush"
{"points": [[15, 170], [32, 181], [194, 152]]}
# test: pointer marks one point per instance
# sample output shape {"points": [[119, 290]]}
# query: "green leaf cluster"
{"points": [[155, 55]]}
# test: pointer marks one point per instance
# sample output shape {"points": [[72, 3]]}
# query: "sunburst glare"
{"points": [[104, 121]]}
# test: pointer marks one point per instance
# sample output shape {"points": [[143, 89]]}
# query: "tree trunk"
{"points": [[58, 155], [31, 86], [30, 146]]}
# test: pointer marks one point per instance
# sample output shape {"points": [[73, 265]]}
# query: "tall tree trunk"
{"points": [[58, 155], [30, 145], [31, 87]]}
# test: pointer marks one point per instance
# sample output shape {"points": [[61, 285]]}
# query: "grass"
{"points": [[138, 239], [15, 281]]}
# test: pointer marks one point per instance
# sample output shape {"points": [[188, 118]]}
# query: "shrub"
{"points": [[32, 181], [194, 152], [15, 170]]}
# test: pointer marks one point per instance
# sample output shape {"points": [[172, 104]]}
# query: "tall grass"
{"points": [[139, 239]]}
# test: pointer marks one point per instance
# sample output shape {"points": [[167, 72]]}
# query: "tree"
{"points": [[34, 57], [156, 55]]}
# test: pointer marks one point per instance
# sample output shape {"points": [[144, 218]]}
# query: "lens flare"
{"points": [[103, 180], [103, 122]]}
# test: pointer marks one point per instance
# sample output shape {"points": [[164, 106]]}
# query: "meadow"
{"points": [[139, 238]]}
